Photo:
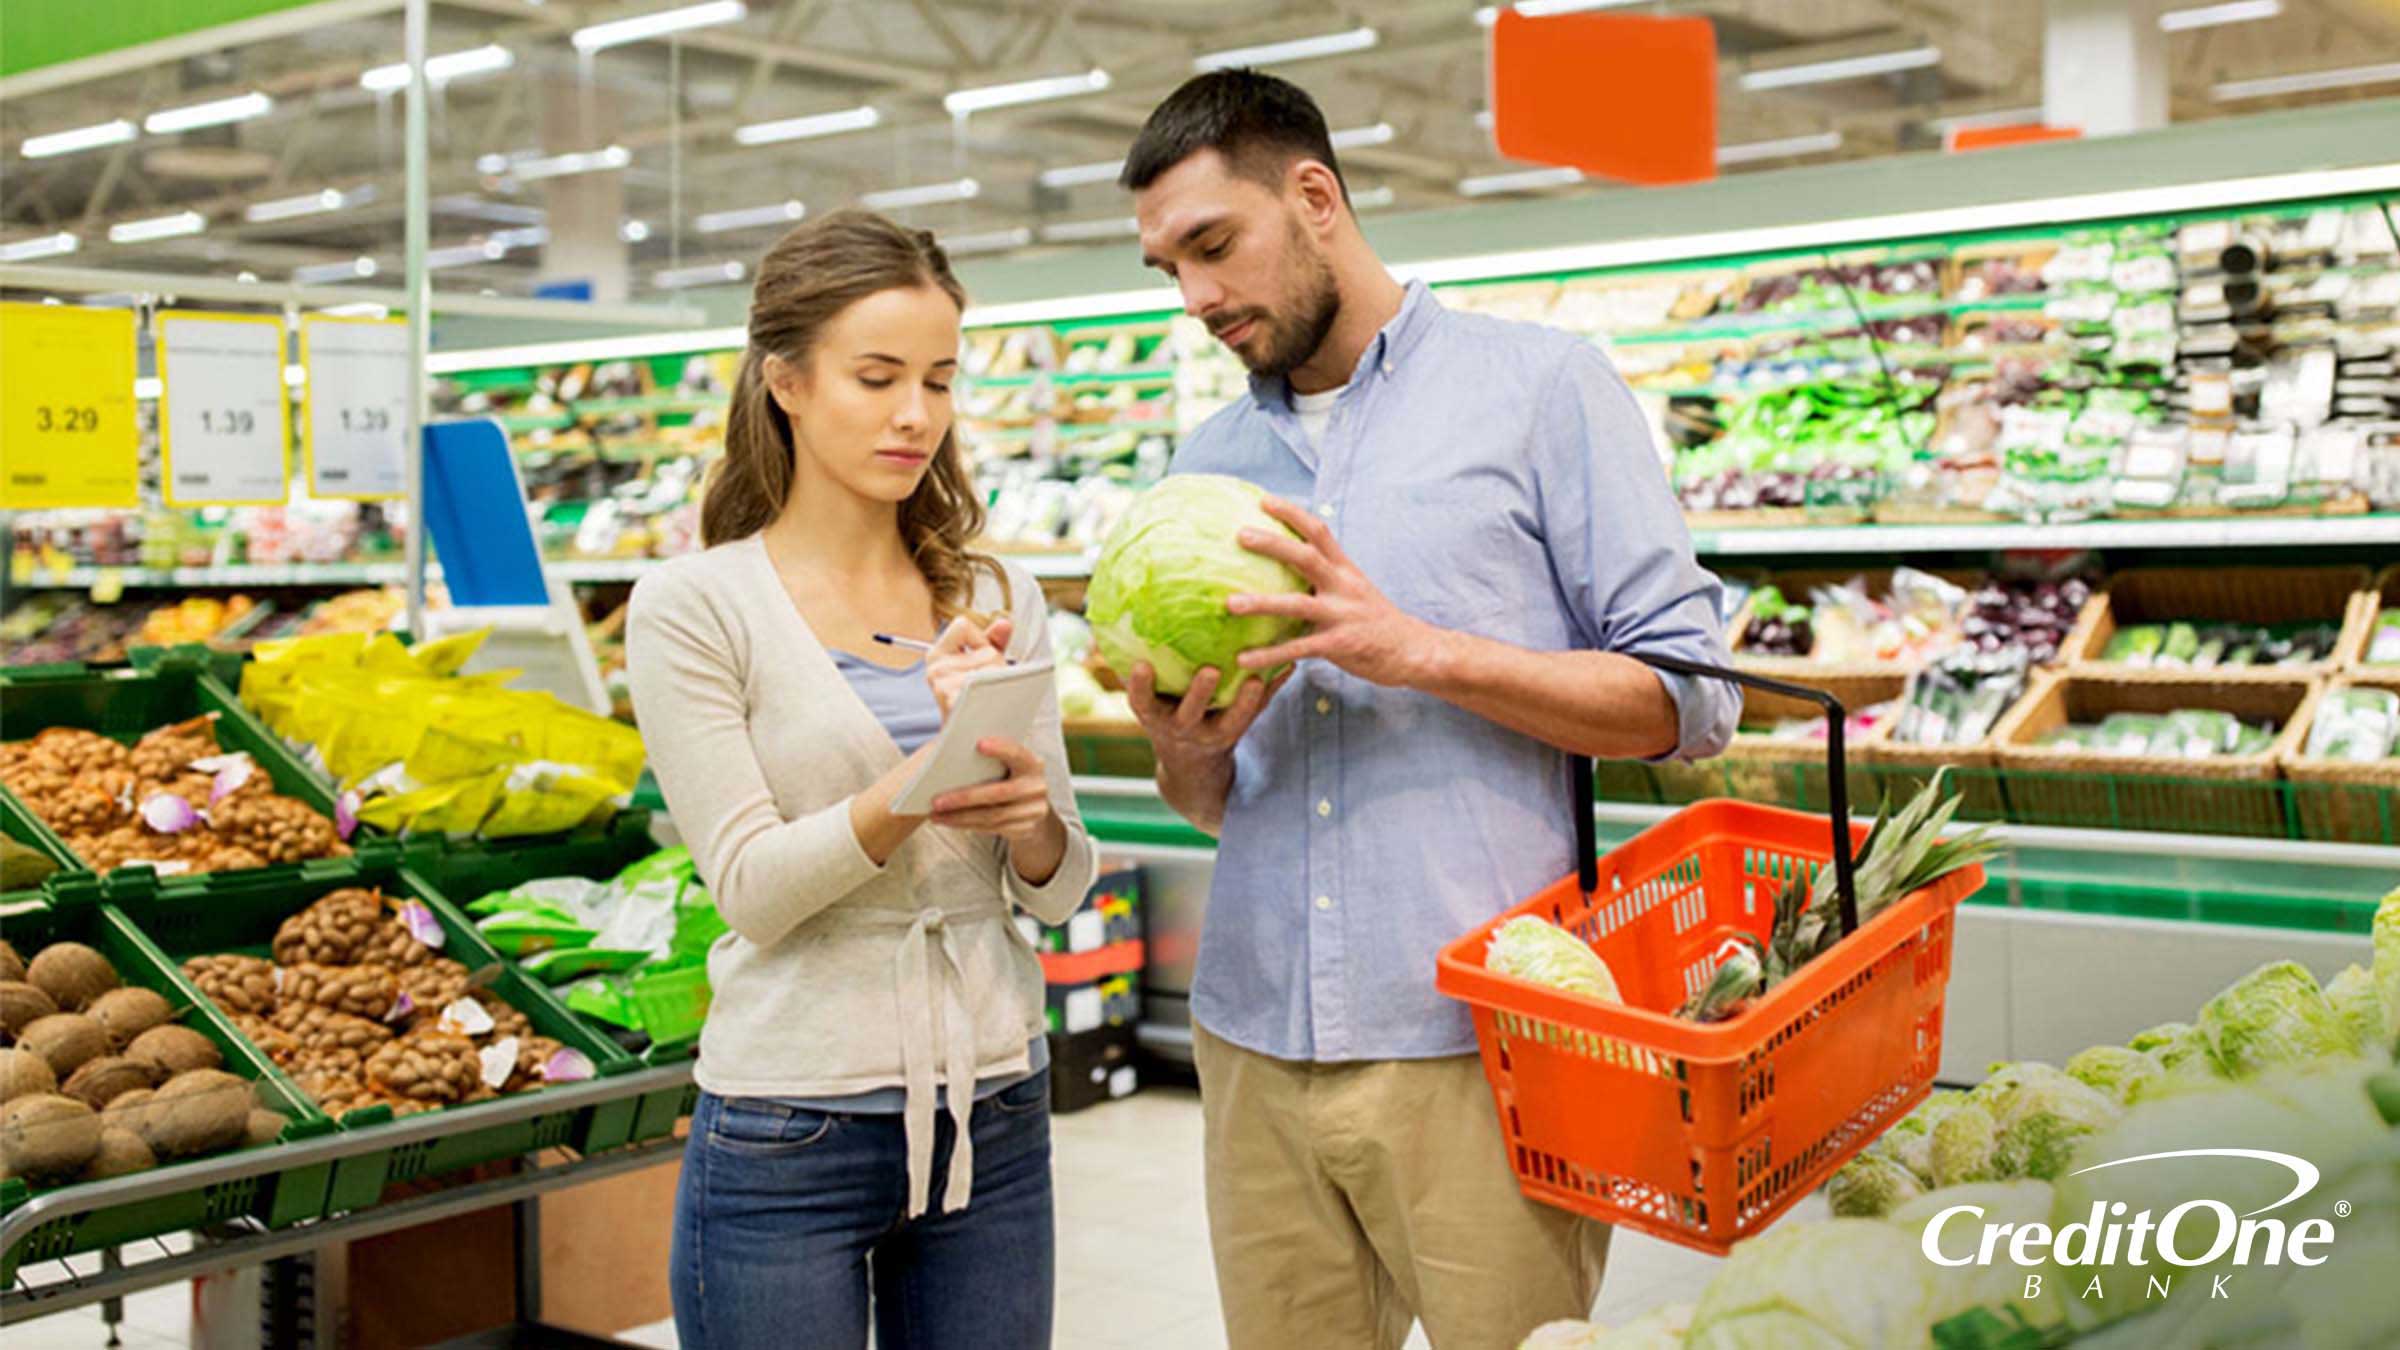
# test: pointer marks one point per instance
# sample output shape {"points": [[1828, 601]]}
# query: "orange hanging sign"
{"points": [[1628, 97]]}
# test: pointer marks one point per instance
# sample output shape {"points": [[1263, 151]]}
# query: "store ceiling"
{"points": [[313, 185]]}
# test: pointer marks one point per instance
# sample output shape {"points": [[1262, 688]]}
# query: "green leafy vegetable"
{"points": [[1160, 584], [2273, 1015], [2114, 1070], [1538, 951]]}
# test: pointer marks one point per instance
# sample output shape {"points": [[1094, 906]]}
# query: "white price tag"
{"points": [[224, 432], [357, 414]]}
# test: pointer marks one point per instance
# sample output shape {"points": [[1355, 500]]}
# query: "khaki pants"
{"points": [[1347, 1200]]}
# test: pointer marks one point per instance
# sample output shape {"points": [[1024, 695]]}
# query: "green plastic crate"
{"points": [[469, 871], [21, 825], [276, 1199], [239, 913], [128, 704]]}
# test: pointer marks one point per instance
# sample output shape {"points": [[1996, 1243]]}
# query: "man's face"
{"points": [[1244, 260]]}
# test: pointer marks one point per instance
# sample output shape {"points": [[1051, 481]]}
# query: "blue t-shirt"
{"points": [[903, 703]]}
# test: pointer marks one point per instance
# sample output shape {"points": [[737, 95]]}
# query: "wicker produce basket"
{"points": [[1797, 587], [2202, 595], [2225, 794], [2382, 595], [2346, 801]]}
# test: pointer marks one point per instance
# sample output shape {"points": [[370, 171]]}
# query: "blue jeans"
{"points": [[788, 1230]]}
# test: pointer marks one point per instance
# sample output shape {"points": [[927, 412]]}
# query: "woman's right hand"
{"points": [[964, 648]]}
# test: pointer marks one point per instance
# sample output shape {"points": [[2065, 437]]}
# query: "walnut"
{"points": [[362, 991], [242, 985], [334, 931]]}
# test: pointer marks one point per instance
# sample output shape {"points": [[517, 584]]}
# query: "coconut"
{"points": [[125, 1113], [21, 1005], [122, 1153], [175, 1050], [24, 1074], [67, 1040], [111, 1076], [196, 1112], [265, 1127], [71, 974], [127, 1013], [47, 1137], [12, 966]]}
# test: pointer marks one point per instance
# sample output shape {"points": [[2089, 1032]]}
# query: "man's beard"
{"points": [[1291, 342]]}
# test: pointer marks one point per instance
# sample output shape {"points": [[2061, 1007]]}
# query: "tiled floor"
{"points": [[1133, 1249]]}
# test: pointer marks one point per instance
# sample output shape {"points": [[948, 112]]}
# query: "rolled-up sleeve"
{"points": [[1619, 549]]}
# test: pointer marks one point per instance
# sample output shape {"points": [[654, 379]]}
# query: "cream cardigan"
{"points": [[839, 976]]}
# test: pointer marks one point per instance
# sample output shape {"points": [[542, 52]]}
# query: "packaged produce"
{"points": [[173, 800], [611, 941], [2356, 725], [2383, 642], [1957, 698], [387, 1019], [2034, 614], [2195, 733], [419, 748], [2126, 733], [1778, 627]]}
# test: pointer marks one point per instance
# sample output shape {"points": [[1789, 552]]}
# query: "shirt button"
{"points": [[1387, 367], [1324, 705], [1325, 509], [1324, 807], [1324, 902]]}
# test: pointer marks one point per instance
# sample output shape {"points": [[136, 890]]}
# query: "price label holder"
{"points": [[225, 434], [355, 421], [67, 431]]}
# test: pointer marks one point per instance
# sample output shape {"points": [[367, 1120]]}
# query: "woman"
{"points": [[874, 1060]]}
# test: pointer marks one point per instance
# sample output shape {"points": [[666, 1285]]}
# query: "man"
{"points": [[1486, 528]]}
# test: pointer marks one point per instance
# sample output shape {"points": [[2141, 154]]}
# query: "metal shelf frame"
{"points": [[62, 1288]]}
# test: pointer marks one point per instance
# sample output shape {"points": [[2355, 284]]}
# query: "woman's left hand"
{"points": [[1016, 808]]}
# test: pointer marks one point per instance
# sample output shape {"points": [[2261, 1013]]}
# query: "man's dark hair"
{"points": [[1259, 123]]}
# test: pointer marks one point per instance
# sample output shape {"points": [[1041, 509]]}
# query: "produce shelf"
{"points": [[56, 1286]]}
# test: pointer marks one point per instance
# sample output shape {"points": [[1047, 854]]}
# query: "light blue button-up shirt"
{"points": [[1491, 477]]}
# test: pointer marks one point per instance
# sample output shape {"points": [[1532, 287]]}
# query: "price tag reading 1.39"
{"points": [[67, 435], [357, 405], [224, 435]]}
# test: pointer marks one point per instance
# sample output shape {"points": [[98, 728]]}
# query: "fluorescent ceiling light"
{"points": [[2306, 82], [801, 128], [1371, 198], [1071, 231], [308, 204], [506, 240], [357, 309], [1783, 148], [707, 274], [1523, 180], [318, 274], [1354, 137], [964, 101], [157, 227], [441, 69], [80, 138], [476, 208], [462, 255], [1076, 175], [1267, 54], [1847, 68], [562, 166], [39, 246], [748, 217], [987, 241], [2000, 117], [642, 27], [1542, 9], [218, 112], [893, 199], [2210, 16], [634, 231]]}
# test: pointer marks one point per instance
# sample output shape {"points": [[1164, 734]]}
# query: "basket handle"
{"points": [[1587, 847]]}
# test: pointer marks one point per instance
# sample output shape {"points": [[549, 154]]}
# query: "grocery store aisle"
{"points": [[1132, 1247]]}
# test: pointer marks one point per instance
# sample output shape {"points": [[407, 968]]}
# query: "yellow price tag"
{"points": [[108, 587], [67, 435]]}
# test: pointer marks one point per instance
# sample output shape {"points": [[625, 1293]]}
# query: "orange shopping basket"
{"points": [[1704, 1133]]}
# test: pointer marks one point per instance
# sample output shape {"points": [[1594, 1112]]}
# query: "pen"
{"points": [[913, 644]]}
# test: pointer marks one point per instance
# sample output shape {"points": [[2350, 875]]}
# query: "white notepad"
{"points": [[1003, 703]]}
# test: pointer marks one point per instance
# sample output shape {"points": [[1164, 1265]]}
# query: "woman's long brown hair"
{"points": [[813, 273]]}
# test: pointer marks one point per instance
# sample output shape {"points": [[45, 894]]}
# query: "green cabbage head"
{"points": [[1159, 587], [1540, 952], [2272, 1016], [2115, 1070]]}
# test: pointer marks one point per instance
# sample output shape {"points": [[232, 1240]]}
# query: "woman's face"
{"points": [[873, 403]]}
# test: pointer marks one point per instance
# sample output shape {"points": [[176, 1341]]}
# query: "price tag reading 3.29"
{"points": [[67, 435], [357, 406], [224, 434]]}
